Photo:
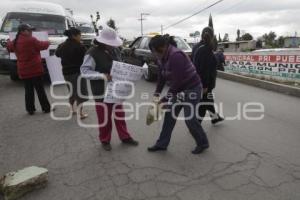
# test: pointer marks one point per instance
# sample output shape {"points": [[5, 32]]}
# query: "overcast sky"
{"points": [[254, 16]]}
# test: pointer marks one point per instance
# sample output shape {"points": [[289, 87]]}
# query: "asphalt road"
{"points": [[252, 160]]}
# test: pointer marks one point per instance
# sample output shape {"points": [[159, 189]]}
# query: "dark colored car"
{"points": [[138, 53]]}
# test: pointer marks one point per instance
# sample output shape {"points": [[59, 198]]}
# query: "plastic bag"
{"points": [[154, 114]]}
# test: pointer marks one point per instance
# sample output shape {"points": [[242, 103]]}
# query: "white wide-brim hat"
{"points": [[109, 37]]}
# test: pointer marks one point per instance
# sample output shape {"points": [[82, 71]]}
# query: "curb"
{"points": [[276, 87]]}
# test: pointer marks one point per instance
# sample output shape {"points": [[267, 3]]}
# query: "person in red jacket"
{"points": [[30, 68]]}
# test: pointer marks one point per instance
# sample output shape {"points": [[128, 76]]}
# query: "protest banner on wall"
{"points": [[121, 86], [267, 64], [55, 70], [42, 36]]}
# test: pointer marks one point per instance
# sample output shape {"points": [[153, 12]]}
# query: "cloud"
{"points": [[254, 16]]}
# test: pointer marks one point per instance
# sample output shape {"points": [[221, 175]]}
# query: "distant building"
{"points": [[239, 46], [292, 42]]}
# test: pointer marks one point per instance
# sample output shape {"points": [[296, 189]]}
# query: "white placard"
{"points": [[55, 70], [121, 86], [41, 36]]}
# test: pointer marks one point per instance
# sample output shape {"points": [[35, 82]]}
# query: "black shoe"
{"points": [[31, 112], [219, 119], [200, 149], [106, 146], [156, 148], [48, 110], [130, 142]]}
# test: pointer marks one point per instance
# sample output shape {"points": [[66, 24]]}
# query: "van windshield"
{"points": [[86, 29], [53, 24]]}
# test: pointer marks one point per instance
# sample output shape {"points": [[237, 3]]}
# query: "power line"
{"points": [[231, 7], [186, 18], [204, 3]]}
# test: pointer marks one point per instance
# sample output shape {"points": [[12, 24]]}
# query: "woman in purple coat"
{"points": [[177, 70]]}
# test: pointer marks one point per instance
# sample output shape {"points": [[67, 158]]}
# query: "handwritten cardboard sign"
{"points": [[122, 85]]}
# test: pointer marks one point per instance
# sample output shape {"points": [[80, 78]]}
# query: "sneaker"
{"points": [[130, 142], [156, 148], [106, 146], [218, 120]]}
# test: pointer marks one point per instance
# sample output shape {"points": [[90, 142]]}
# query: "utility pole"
{"points": [[142, 19], [162, 29]]}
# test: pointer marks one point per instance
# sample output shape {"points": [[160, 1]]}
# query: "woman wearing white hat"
{"points": [[96, 67]]}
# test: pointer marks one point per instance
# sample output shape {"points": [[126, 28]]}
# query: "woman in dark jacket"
{"points": [[72, 53], [206, 65], [176, 69], [96, 67], [30, 67]]}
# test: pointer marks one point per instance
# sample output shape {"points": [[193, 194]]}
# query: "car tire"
{"points": [[149, 75]]}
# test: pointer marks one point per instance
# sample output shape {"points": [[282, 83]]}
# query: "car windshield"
{"points": [[181, 44], [86, 29], [53, 24]]}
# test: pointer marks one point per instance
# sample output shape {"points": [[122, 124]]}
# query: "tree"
{"points": [[95, 21], [220, 39], [259, 43], [238, 35], [197, 34], [269, 39], [215, 40], [226, 37], [210, 22], [112, 24], [280, 42], [247, 37]]}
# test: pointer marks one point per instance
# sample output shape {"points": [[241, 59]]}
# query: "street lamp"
{"points": [[142, 19]]}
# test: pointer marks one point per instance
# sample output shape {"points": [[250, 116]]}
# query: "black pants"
{"points": [[191, 120], [207, 104], [37, 84]]}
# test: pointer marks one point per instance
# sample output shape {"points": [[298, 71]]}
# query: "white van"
{"points": [[88, 33], [49, 17]]}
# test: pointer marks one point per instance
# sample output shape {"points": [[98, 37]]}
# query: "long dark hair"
{"points": [[17, 38], [159, 41], [72, 32], [207, 36]]}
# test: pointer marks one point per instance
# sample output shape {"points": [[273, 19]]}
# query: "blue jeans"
{"points": [[191, 97]]}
